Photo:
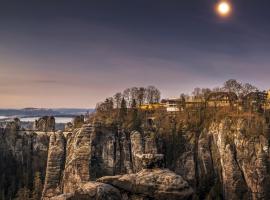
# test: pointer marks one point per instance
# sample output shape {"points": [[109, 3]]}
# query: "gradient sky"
{"points": [[76, 53]]}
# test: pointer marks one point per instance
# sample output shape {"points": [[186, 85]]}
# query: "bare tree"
{"points": [[134, 93], [239, 88], [196, 92], [106, 106], [200, 93], [127, 96], [233, 86], [205, 92], [153, 94], [218, 89], [248, 88], [117, 99], [141, 95]]}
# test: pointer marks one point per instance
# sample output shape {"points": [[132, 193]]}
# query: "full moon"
{"points": [[223, 8]]}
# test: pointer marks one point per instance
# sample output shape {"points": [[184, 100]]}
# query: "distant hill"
{"points": [[73, 111], [31, 112]]}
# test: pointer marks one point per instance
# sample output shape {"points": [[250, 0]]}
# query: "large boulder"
{"points": [[92, 191], [159, 184]]}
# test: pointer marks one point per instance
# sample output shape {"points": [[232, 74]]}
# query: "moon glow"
{"points": [[223, 8]]}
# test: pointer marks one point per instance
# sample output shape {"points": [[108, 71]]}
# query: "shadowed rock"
{"points": [[92, 191], [142, 144], [152, 183], [150, 161]]}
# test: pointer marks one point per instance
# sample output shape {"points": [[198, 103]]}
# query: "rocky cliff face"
{"points": [[229, 159], [77, 164], [45, 124], [92, 152], [23, 155], [54, 169], [244, 159]]}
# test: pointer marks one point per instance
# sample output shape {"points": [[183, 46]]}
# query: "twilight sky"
{"points": [[74, 53]]}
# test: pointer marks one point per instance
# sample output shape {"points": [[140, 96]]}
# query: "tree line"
{"points": [[129, 97], [149, 95], [231, 85]]}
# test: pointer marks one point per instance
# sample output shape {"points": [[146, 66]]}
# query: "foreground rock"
{"points": [[159, 184], [92, 191]]}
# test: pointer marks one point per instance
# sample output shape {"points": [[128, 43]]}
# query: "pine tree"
{"points": [[135, 119], [37, 190], [123, 111]]}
